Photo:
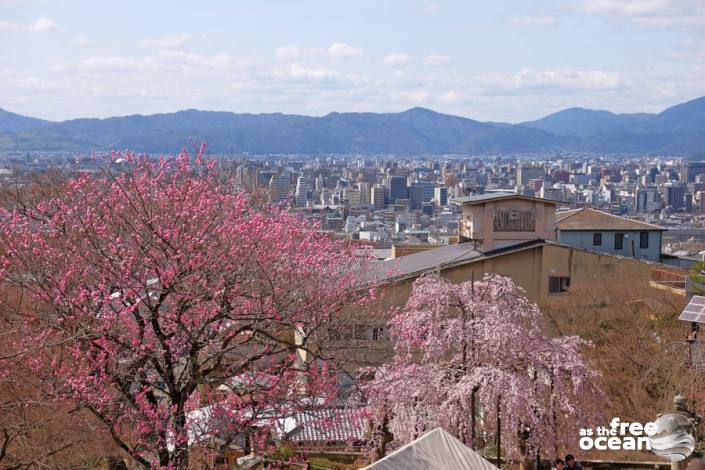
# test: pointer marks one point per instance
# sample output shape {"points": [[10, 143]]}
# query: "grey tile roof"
{"points": [[325, 425], [592, 219], [424, 261], [436, 258]]}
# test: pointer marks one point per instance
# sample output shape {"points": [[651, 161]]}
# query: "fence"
{"points": [[672, 278]]}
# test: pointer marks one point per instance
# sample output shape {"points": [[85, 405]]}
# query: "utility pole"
{"points": [[499, 433]]}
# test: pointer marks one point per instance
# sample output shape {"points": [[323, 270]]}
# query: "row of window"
{"points": [[619, 240], [359, 332]]}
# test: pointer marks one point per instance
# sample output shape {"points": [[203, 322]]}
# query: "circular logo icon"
{"points": [[672, 439]]}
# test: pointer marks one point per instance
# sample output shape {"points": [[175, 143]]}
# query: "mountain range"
{"points": [[679, 130]]}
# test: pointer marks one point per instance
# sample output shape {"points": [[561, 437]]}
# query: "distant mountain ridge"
{"points": [[677, 130]]}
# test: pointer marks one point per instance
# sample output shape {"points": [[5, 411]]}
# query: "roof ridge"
{"points": [[620, 217], [602, 213], [574, 211]]}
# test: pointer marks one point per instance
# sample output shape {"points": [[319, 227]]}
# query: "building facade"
{"points": [[602, 232]]}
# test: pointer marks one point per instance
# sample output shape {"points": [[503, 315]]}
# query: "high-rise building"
{"points": [[690, 170], [302, 188], [352, 196], [364, 193], [420, 192], [279, 187], [526, 173], [397, 188], [377, 197], [326, 195], [441, 195], [675, 196], [648, 200]]}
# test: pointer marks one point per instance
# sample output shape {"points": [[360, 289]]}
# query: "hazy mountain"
{"points": [[11, 122], [677, 130], [580, 122], [414, 131]]}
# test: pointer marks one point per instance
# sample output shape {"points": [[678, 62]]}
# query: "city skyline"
{"points": [[509, 61]]}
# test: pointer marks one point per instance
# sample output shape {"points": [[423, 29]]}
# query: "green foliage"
{"points": [[320, 462], [697, 276], [283, 452]]}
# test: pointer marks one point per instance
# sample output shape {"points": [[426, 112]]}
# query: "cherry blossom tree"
{"points": [[462, 348], [157, 288]]}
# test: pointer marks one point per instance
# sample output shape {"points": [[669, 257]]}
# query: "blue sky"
{"points": [[488, 60]]}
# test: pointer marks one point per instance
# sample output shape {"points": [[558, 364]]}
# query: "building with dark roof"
{"points": [[496, 220], [542, 268], [607, 233]]}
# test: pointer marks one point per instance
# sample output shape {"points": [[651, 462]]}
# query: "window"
{"points": [[349, 332], [597, 239], [380, 333], [643, 239], [360, 332], [558, 285], [618, 241]]}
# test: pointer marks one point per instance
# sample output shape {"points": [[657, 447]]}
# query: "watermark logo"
{"points": [[618, 435], [669, 436], [673, 439]]}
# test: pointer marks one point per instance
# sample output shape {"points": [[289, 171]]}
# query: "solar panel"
{"points": [[694, 311]]}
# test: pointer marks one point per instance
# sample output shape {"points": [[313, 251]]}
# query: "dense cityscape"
{"points": [[389, 200]]}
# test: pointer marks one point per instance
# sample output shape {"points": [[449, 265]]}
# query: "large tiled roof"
{"points": [[423, 261], [480, 198], [324, 425], [592, 219], [436, 258]]}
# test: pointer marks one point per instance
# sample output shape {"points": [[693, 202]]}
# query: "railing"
{"points": [[672, 278]]}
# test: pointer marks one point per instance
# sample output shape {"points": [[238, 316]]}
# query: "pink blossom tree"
{"points": [[462, 348], [156, 288]]}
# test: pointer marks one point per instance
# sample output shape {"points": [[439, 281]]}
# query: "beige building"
{"points": [[497, 220], [542, 268]]}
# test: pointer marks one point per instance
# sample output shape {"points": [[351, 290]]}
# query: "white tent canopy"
{"points": [[435, 450]]}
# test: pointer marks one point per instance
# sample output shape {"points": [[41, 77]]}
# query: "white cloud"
{"points": [[340, 50], [79, 41], [114, 63], [166, 41], [9, 27], [450, 96], [655, 14], [40, 25], [396, 59], [294, 52], [437, 59], [555, 80], [43, 25], [545, 20], [689, 50], [289, 53], [315, 73], [625, 7], [415, 96]]}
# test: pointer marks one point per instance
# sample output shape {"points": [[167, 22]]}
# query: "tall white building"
{"points": [[325, 196], [302, 188], [377, 197]]}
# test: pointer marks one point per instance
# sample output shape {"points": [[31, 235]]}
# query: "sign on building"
{"points": [[514, 220]]}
